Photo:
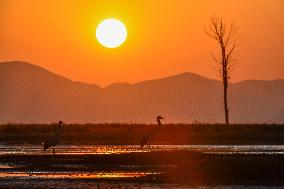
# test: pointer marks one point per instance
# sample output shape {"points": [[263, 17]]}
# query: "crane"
{"points": [[146, 139], [54, 139]]}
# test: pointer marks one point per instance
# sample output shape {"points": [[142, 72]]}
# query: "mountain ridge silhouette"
{"points": [[32, 94]]}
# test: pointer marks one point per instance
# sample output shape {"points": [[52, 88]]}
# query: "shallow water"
{"points": [[120, 149], [71, 175], [46, 184]]}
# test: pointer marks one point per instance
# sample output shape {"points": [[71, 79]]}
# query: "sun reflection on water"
{"points": [[123, 149], [75, 175]]}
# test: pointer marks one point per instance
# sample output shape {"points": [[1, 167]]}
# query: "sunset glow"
{"points": [[141, 94], [163, 38]]}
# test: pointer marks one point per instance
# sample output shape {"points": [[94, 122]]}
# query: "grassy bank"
{"points": [[132, 133]]}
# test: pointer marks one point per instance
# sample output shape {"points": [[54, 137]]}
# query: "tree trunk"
{"points": [[225, 82]]}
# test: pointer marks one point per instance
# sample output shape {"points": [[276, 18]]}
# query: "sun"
{"points": [[111, 33]]}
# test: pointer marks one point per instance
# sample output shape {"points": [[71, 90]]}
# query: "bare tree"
{"points": [[226, 59]]}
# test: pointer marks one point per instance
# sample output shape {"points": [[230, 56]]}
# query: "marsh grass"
{"points": [[119, 133]]}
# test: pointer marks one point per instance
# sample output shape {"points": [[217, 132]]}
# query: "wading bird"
{"points": [[146, 139], [159, 117], [54, 139]]}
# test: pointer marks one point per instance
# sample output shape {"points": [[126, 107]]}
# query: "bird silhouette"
{"points": [[147, 138], [54, 139], [159, 117]]}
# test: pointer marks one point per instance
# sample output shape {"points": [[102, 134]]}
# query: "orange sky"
{"points": [[165, 37]]}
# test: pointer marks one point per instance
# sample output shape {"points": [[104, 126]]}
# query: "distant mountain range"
{"points": [[31, 94]]}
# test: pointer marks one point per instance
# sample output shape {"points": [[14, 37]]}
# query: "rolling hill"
{"points": [[31, 94]]}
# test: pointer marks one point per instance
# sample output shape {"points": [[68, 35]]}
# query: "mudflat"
{"points": [[155, 168]]}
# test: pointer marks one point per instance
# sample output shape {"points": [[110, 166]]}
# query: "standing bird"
{"points": [[54, 139], [146, 139], [159, 117]]}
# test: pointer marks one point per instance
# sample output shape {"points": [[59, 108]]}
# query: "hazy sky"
{"points": [[165, 37]]}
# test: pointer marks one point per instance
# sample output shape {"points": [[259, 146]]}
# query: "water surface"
{"points": [[120, 149], [78, 170]]}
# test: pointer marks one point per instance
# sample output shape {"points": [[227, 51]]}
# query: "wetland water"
{"points": [[119, 149], [129, 166]]}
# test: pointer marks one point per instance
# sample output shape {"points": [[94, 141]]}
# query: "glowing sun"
{"points": [[111, 33]]}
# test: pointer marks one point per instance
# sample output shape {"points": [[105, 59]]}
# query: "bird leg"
{"points": [[53, 151]]}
